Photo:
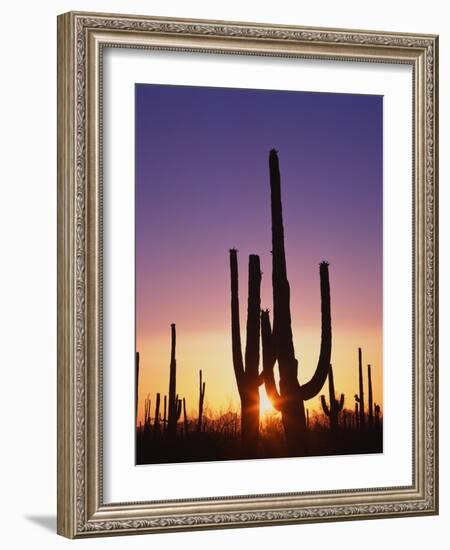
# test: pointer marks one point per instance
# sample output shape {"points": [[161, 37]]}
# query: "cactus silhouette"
{"points": [[165, 414], [247, 377], [370, 410], [201, 399], [278, 343], [357, 416], [136, 391], [185, 418], [377, 414], [156, 422], [174, 404], [147, 413], [360, 399], [336, 406]]}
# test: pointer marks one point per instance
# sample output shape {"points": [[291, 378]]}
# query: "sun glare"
{"points": [[265, 404]]}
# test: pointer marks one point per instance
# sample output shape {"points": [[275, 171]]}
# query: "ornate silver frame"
{"points": [[81, 510]]}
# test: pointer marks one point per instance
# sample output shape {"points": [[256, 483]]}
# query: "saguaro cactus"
{"points": [[278, 343], [360, 398], [165, 414], [357, 417], [377, 414], [201, 399], [247, 377], [335, 406], [369, 382], [174, 402], [156, 422], [136, 391], [147, 412], [185, 418]]}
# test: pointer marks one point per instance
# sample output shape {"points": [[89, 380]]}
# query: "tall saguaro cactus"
{"points": [[156, 424], [185, 419], [136, 390], [174, 402], [278, 343], [360, 398], [201, 400], [247, 377], [370, 410], [335, 406]]}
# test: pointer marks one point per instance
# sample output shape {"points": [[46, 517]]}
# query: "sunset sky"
{"points": [[202, 187]]}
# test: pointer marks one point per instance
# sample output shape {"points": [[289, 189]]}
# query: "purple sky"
{"points": [[202, 187]]}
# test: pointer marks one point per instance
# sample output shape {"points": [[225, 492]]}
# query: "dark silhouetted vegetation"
{"points": [[335, 407]]}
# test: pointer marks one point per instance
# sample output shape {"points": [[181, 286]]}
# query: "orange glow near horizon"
{"points": [[211, 352]]}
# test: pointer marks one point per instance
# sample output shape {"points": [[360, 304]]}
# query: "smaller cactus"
{"points": [[185, 418], [156, 422], [360, 399], [201, 400], [335, 406], [174, 403], [369, 381], [357, 417], [165, 414], [377, 411], [136, 390], [147, 413]]}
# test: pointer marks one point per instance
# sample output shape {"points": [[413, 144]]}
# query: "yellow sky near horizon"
{"points": [[211, 352]]}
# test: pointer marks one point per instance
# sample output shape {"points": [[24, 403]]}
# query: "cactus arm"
{"points": [[340, 405], [269, 361], [253, 319], [325, 408], [313, 387], [331, 385], [238, 362]]}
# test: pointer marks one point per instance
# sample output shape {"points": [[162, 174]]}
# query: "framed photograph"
{"points": [[247, 276]]}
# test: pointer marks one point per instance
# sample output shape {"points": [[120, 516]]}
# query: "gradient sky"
{"points": [[202, 187]]}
